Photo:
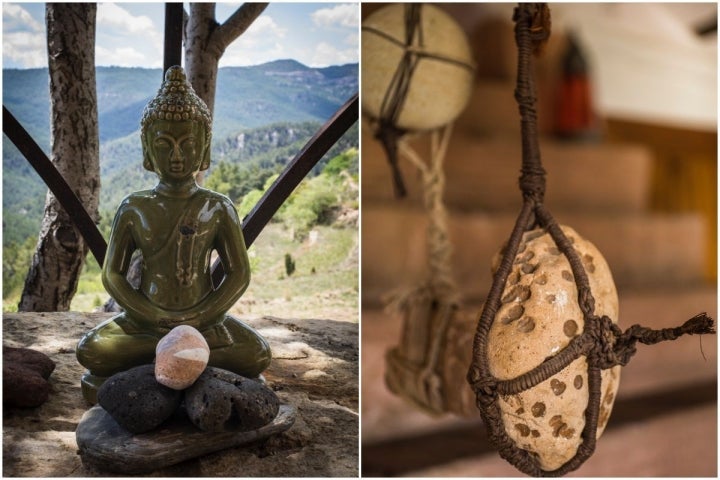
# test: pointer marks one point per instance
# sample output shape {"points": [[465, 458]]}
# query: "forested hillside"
{"points": [[283, 91]]}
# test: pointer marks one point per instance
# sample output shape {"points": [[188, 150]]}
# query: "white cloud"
{"points": [[260, 43], [123, 57], [352, 39], [117, 26], [326, 54], [345, 15], [109, 15], [16, 17], [262, 30], [23, 38], [239, 54], [26, 49]]}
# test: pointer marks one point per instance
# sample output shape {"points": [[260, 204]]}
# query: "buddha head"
{"points": [[176, 129]]}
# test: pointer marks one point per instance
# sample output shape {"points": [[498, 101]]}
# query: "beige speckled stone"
{"points": [[538, 316], [439, 90], [180, 357]]}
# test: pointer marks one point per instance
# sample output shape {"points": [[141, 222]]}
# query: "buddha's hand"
{"points": [[197, 318], [173, 318]]}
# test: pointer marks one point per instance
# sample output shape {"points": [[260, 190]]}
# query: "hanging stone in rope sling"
{"points": [[552, 300], [418, 74]]}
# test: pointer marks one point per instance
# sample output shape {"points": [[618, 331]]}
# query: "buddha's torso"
{"points": [[176, 237]]}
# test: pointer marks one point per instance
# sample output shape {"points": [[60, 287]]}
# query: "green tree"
{"points": [[312, 203], [16, 262], [289, 265], [347, 161], [248, 202], [224, 179]]}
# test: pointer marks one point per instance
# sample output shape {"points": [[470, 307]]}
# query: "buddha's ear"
{"points": [[147, 163], [205, 163]]}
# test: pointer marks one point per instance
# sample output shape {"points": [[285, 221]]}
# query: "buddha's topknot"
{"points": [[176, 100]]}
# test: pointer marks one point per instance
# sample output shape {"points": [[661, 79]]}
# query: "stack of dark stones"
{"points": [[217, 401]]}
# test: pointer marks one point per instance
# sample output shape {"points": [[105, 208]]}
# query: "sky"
{"points": [[131, 35]]}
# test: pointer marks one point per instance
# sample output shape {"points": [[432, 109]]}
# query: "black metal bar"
{"points": [[255, 221], [293, 174], [173, 35], [56, 183]]}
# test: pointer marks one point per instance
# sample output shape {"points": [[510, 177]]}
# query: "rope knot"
{"points": [[615, 347], [610, 346], [484, 386], [532, 183], [535, 20]]}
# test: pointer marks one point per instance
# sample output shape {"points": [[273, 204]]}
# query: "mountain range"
{"points": [[247, 99]]}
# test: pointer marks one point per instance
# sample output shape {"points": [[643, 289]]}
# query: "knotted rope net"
{"points": [[602, 342], [414, 53]]}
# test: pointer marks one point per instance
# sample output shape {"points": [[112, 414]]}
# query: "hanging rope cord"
{"points": [[440, 279], [439, 283], [602, 341], [424, 330]]}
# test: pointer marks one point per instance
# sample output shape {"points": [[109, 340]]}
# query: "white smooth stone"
{"points": [[180, 357], [439, 90]]}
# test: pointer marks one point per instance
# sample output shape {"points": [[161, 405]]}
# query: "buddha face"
{"points": [[175, 149]]}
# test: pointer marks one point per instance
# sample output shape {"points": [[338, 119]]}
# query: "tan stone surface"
{"points": [[538, 317], [438, 90]]}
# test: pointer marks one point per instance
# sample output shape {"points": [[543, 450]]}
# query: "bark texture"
{"points": [[206, 41], [60, 252]]}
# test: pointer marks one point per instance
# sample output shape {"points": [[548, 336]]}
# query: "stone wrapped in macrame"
{"points": [[547, 346], [432, 56], [538, 317]]}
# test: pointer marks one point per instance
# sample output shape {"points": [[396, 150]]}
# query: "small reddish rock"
{"points": [[25, 374], [181, 356]]}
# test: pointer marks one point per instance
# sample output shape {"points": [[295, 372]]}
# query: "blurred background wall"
{"points": [[628, 119]]}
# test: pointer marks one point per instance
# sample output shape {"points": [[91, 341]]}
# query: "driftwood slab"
{"points": [[105, 445]]}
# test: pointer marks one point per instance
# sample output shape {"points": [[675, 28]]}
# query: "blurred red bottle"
{"points": [[575, 118]]}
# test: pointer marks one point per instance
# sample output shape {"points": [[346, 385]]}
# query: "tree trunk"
{"points": [[206, 41], [60, 252]]}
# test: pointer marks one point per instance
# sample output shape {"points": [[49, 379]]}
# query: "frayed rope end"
{"points": [[698, 325]]}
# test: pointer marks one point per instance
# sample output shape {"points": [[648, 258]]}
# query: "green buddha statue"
{"points": [[176, 226]]}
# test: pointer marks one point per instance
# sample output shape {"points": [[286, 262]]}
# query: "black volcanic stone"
{"points": [[223, 401], [136, 400], [25, 374]]}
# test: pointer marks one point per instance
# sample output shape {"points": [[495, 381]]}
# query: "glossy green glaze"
{"points": [[176, 226]]}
